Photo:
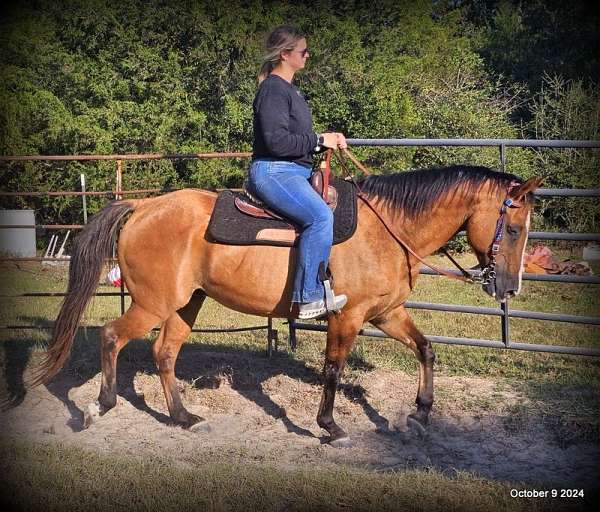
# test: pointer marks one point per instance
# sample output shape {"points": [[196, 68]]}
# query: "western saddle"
{"points": [[319, 180]]}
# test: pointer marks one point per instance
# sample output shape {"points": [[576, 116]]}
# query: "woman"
{"points": [[284, 144]]}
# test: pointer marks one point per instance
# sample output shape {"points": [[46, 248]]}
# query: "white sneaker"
{"points": [[317, 308]]}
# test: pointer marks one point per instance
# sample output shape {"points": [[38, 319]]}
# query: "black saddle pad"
{"points": [[230, 226]]}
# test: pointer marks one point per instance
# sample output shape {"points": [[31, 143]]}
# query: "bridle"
{"points": [[488, 272], [485, 275]]}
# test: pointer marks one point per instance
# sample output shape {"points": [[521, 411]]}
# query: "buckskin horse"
{"points": [[170, 266]]}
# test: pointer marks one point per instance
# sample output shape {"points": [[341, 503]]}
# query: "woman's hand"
{"points": [[342, 144], [334, 140]]}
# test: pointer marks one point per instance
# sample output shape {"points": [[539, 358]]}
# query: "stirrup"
{"points": [[321, 308]]}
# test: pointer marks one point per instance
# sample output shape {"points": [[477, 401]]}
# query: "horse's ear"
{"points": [[529, 186]]}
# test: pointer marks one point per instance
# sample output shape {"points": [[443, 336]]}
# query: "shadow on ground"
{"points": [[246, 369]]}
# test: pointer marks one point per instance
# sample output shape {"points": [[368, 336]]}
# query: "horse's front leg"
{"points": [[398, 324], [341, 333]]}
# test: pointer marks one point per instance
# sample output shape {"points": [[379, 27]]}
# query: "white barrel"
{"points": [[18, 241]]}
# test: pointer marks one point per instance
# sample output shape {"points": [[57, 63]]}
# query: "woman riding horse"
{"points": [[284, 143]]}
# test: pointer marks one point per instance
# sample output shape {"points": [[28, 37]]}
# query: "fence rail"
{"points": [[470, 342], [515, 143], [504, 312]]}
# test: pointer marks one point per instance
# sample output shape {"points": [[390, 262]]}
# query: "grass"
{"points": [[57, 477]]}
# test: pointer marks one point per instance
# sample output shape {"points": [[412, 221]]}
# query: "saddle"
{"points": [[238, 219], [319, 180]]}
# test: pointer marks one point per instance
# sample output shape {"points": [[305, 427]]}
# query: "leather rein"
{"points": [[484, 276]]}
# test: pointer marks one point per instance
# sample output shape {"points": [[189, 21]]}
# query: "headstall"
{"points": [[488, 273]]}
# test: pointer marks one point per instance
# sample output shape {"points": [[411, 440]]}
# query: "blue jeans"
{"points": [[284, 187]]}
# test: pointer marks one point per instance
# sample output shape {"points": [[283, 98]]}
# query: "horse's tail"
{"points": [[90, 249]]}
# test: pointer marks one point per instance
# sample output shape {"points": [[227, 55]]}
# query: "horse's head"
{"points": [[498, 231]]}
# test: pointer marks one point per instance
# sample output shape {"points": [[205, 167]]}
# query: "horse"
{"points": [[170, 265]]}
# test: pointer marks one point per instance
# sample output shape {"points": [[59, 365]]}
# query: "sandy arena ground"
{"points": [[263, 411]]}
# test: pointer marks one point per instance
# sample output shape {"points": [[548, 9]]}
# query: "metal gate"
{"points": [[504, 311]]}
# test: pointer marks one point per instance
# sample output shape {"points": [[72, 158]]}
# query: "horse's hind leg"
{"points": [[400, 326], [135, 323], [173, 334]]}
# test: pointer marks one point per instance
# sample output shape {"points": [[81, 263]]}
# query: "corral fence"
{"points": [[504, 312]]}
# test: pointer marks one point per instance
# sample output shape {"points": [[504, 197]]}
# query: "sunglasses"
{"points": [[303, 52]]}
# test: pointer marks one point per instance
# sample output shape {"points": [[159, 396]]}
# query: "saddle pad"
{"points": [[230, 226]]}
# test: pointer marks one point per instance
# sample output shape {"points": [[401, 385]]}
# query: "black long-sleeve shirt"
{"points": [[282, 123]]}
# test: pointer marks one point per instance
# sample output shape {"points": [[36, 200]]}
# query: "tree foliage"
{"points": [[100, 77]]}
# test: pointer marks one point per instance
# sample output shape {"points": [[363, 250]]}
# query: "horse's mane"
{"points": [[414, 192]]}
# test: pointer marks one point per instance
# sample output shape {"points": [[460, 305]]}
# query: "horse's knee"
{"points": [[331, 372], [165, 361], [425, 354], [429, 355]]}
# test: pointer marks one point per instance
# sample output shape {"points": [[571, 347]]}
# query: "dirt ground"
{"points": [[263, 411]]}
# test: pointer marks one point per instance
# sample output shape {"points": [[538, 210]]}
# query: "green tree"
{"points": [[95, 77]]}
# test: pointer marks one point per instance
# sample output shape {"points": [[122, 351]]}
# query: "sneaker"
{"points": [[317, 308]]}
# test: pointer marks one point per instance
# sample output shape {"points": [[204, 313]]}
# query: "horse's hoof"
{"points": [[341, 442], [415, 426], [91, 414], [197, 424], [202, 427]]}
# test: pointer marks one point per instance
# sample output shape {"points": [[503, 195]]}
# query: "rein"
{"points": [[485, 275]]}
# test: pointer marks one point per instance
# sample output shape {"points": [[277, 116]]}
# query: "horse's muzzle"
{"points": [[501, 290]]}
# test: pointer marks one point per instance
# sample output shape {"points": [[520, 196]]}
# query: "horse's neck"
{"points": [[433, 229]]}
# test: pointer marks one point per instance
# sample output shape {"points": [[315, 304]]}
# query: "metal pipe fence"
{"points": [[504, 312]]}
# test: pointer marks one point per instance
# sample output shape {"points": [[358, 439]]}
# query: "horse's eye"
{"points": [[513, 230]]}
